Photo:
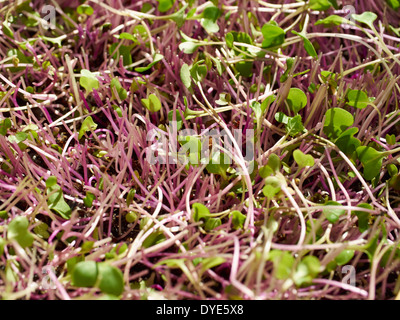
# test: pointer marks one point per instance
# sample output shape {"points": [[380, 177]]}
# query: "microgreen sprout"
{"points": [[187, 150]]}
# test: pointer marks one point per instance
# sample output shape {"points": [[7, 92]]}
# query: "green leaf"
{"points": [[41, 230], [283, 263], [178, 119], [273, 166], [56, 200], [273, 35], [334, 4], [366, 17], [57, 41], [358, 99], [331, 266], [320, 5], [210, 26], [153, 104], [24, 6], [289, 65], [10, 274], [245, 68], [85, 9], [118, 110], [238, 219], [185, 76], [131, 217], [188, 47], [127, 36], [274, 162], [57, 203], [117, 250], [153, 239], [309, 47], [224, 99], [394, 181], [390, 139], [30, 128], [4, 126], [256, 106], [179, 16], [139, 31], [296, 99], [18, 137], [344, 257], [111, 279], [88, 80], [84, 274], [389, 254], [157, 58], [218, 65], [87, 246], [346, 141], [88, 200], [272, 187], [281, 117], [209, 19], [333, 215], [265, 171], [333, 20], [267, 102], [107, 297], [307, 44], [303, 160], [394, 4], [18, 231], [57, 147], [115, 84], [330, 77], [192, 11], [371, 246], [229, 39], [241, 37], [212, 223], [18, 57], [198, 71], [212, 13], [2, 245], [165, 5], [71, 263], [51, 182], [7, 30], [371, 161], [124, 51], [392, 169], [172, 263], [3, 215], [191, 145], [217, 165], [200, 212], [130, 197], [306, 271], [294, 125], [336, 122], [211, 262], [87, 125], [31, 22]]}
